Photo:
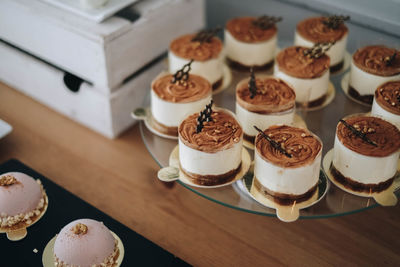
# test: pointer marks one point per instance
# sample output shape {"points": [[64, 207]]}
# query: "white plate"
{"points": [[5, 128], [95, 14]]}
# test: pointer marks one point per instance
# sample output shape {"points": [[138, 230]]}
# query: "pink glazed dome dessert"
{"points": [[85, 243], [22, 200]]}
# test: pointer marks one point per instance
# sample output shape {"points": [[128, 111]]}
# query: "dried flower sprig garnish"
{"points": [[358, 133], [318, 50], [205, 36], [182, 75], [7, 180], [273, 143], [334, 21], [252, 84], [205, 115], [389, 60], [265, 22]]}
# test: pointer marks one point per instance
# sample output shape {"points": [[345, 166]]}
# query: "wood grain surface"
{"points": [[119, 177]]}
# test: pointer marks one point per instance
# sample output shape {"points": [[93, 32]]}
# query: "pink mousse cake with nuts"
{"points": [[85, 243], [22, 200]]}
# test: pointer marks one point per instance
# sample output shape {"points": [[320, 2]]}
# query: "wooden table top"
{"points": [[119, 177]]}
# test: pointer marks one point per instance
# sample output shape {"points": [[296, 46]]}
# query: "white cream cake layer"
{"points": [[294, 181], [171, 114], [361, 168], [378, 111], [336, 52], [250, 54], [248, 119], [211, 69], [203, 163], [366, 83], [306, 90]]}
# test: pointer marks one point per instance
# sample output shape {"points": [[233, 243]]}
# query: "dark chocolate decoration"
{"points": [[252, 84], [205, 115], [335, 21], [265, 22], [390, 59], [273, 143], [182, 75], [318, 50], [358, 133], [205, 35]]}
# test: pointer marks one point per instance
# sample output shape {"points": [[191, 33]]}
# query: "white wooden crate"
{"points": [[104, 54], [106, 114]]}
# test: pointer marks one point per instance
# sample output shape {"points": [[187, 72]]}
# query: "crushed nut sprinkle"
{"points": [[8, 180], [79, 229]]}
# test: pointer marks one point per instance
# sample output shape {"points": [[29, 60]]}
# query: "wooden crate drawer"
{"points": [[106, 114], [104, 54]]}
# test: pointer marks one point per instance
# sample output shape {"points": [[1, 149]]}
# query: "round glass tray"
{"points": [[322, 122]]}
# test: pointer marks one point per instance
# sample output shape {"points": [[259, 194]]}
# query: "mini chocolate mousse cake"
{"points": [[308, 76], [22, 201], [386, 102], [322, 30], [286, 167], [251, 42], [206, 51], [172, 100], [85, 243], [366, 152], [210, 147], [263, 101], [372, 66]]}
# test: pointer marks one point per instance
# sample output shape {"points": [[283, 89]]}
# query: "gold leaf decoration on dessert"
{"points": [[79, 229], [359, 133], [182, 75], [379, 131], [204, 116], [334, 21], [318, 50], [301, 144], [387, 96], [205, 36], [7, 180], [265, 22], [273, 143], [252, 84]]}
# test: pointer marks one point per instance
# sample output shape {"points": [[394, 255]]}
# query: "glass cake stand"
{"points": [[322, 122]]}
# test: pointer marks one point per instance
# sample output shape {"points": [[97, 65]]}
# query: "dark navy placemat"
{"points": [[63, 208]]}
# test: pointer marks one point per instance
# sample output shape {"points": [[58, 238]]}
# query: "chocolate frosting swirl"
{"points": [[300, 143], [387, 96], [372, 60], [293, 62], [273, 95], [220, 134], [244, 30], [185, 48], [195, 88], [314, 30], [383, 133]]}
